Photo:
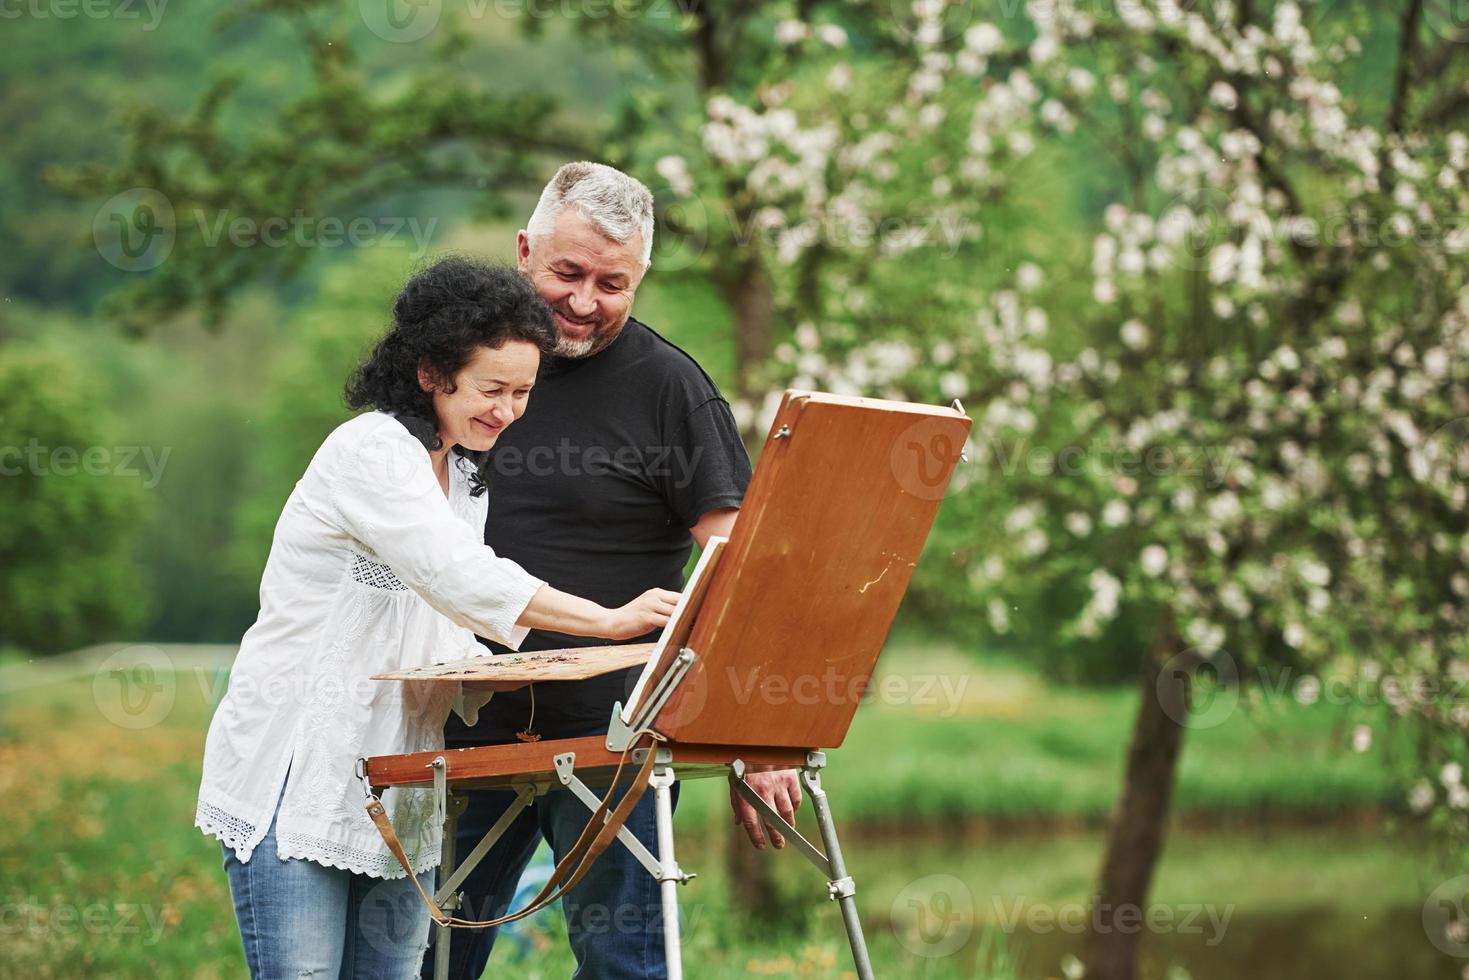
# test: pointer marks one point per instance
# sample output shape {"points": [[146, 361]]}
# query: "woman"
{"points": [[378, 564]]}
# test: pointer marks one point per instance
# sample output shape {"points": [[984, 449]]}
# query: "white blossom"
{"points": [[675, 170], [790, 32], [1232, 597], [1106, 591], [1134, 334], [1021, 518], [952, 385], [1154, 559], [983, 39], [832, 35], [1361, 738], [1206, 636]]}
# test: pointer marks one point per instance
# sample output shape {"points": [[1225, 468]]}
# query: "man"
{"points": [[627, 456]]}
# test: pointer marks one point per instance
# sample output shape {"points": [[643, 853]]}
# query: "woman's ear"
{"points": [[425, 380]]}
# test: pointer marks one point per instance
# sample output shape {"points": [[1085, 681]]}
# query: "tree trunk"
{"points": [[754, 897], [1135, 840], [747, 291]]}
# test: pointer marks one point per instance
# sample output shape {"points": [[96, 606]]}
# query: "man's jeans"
{"points": [[614, 917], [301, 919]]}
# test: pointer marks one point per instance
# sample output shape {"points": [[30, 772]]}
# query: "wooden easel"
{"points": [[765, 660]]}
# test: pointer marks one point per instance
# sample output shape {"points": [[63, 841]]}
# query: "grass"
{"points": [[1012, 749], [101, 872]]}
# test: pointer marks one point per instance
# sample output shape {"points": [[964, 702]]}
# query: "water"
{"points": [[1297, 904], [1282, 905]]}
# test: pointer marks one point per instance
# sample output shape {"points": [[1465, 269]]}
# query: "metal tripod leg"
{"points": [[664, 868], [670, 876], [838, 883], [841, 886], [447, 808]]}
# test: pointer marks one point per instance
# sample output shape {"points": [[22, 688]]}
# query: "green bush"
{"points": [[73, 508]]}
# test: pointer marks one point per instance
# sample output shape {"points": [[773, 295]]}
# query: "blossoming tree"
{"points": [[1246, 445]]}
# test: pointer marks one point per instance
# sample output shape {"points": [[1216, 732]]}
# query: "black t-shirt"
{"points": [[594, 489]]}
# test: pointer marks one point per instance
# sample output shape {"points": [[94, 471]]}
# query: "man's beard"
{"points": [[599, 338], [576, 349]]}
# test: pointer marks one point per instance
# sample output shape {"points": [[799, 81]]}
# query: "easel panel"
{"points": [[821, 555]]}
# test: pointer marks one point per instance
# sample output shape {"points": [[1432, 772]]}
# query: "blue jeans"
{"points": [[302, 919], [614, 916]]}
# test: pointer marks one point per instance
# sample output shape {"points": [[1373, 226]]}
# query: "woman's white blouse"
{"points": [[371, 569]]}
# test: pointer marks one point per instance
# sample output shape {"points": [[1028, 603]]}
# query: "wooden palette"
{"points": [[508, 671]]}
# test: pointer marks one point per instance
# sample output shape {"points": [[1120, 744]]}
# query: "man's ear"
{"points": [[522, 251]]}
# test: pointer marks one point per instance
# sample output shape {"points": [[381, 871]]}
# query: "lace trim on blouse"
{"points": [[334, 854], [236, 834], [365, 571]]}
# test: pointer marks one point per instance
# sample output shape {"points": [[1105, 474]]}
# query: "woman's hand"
{"points": [[648, 612], [559, 612]]}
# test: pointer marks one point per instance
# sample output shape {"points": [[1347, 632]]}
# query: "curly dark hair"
{"points": [[440, 317]]}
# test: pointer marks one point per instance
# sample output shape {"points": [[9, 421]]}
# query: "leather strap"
{"points": [[384, 826], [590, 843]]}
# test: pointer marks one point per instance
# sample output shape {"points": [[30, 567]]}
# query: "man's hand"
{"points": [[781, 789]]}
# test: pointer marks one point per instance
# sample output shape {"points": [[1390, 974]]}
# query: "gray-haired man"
{"points": [[626, 457]]}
